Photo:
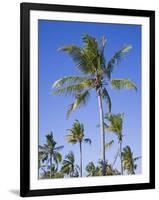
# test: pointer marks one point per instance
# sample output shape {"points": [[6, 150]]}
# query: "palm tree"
{"points": [[129, 160], [50, 152], [96, 76], [76, 135], [116, 126], [91, 169], [68, 165]]}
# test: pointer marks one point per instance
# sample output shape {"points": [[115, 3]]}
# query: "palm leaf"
{"points": [[108, 100], [69, 90], [80, 58], [109, 144], [87, 140], [69, 80], [71, 139], [80, 99], [58, 156], [116, 58], [58, 148], [123, 83]]}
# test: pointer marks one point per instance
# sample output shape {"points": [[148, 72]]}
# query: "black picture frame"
{"points": [[25, 9]]}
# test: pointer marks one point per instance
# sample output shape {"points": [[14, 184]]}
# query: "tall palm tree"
{"points": [[116, 126], [96, 76], [68, 165], [129, 160], [50, 152], [76, 135]]}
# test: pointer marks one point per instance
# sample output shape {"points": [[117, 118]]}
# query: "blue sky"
{"points": [[54, 65]]}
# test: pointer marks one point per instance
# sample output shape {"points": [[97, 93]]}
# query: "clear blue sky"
{"points": [[54, 65]]}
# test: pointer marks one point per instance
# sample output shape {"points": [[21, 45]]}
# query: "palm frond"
{"points": [[70, 138], [69, 80], [80, 57], [87, 140], [108, 100], [58, 156], [80, 99], [109, 144], [69, 90], [58, 148], [123, 83], [137, 158], [116, 58]]}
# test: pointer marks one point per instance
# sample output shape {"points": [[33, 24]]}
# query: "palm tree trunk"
{"points": [[121, 162], [101, 115], [50, 166], [80, 158]]}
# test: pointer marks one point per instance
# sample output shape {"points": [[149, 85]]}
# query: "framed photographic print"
{"points": [[87, 99]]}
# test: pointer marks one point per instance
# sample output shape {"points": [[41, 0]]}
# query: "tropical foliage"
{"points": [[129, 161], [95, 77], [69, 168], [76, 135], [50, 153], [115, 126]]}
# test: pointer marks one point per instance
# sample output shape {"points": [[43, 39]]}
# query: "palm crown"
{"points": [[50, 152], [76, 134], [96, 72], [129, 160], [68, 165]]}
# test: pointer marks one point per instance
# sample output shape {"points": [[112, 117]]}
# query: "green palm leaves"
{"points": [[76, 135], [123, 83], [50, 152], [129, 160], [115, 126], [69, 167], [95, 76], [116, 59]]}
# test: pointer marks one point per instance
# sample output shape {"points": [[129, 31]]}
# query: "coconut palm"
{"points": [[76, 135], [109, 169], [129, 160], [68, 165], [92, 170], [96, 76], [116, 126], [50, 152]]}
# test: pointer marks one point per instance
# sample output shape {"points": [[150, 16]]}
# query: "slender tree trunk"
{"points": [[101, 115], [80, 159], [50, 166], [121, 162]]}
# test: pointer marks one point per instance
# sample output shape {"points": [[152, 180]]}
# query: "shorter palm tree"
{"points": [[50, 152], [115, 126], [76, 135], [69, 167], [92, 170], [129, 160]]}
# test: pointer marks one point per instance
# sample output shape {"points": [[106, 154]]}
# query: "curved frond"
{"points": [[69, 90], [123, 83], [69, 80], [58, 148], [109, 144], [57, 156], [80, 99], [116, 58], [70, 138], [80, 57], [108, 100], [87, 140]]}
